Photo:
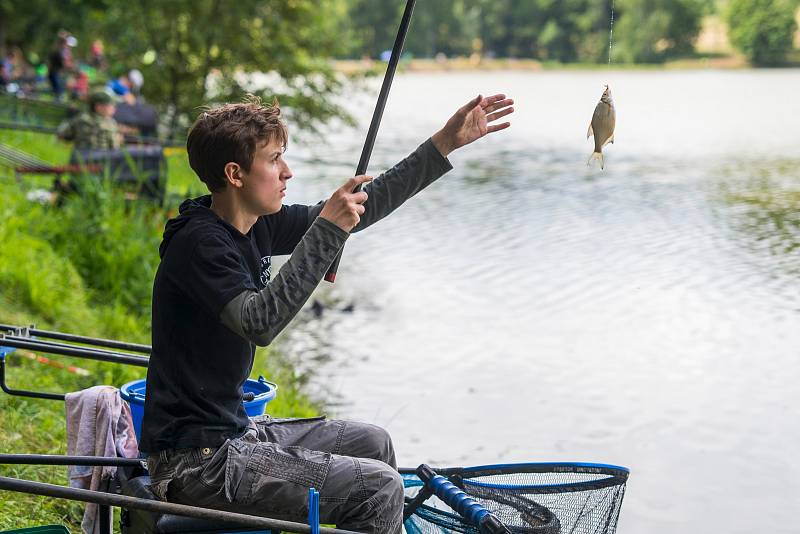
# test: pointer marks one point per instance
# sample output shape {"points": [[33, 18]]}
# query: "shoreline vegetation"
{"points": [[465, 64], [713, 50]]}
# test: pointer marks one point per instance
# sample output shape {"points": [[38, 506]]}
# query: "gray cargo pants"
{"points": [[268, 471]]}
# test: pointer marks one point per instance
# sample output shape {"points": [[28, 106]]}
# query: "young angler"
{"points": [[214, 300]]}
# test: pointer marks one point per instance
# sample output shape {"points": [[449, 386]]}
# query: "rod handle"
{"points": [[458, 500]]}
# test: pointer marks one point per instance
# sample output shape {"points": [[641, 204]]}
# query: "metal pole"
{"points": [[123, 501], [372, 133], [45, 345], [57, 459], [22, 392], [110, 343], [66, 350]]}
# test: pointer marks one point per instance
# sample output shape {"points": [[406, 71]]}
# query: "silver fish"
{"points": [[604, 119]]}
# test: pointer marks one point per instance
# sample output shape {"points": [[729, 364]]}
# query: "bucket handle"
{"points": [[135, 395], [263, 380]]}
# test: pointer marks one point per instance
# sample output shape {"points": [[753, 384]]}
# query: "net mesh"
{"points": [[529, 498]]}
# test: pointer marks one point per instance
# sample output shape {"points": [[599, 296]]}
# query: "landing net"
{"points": [[540, 498]]}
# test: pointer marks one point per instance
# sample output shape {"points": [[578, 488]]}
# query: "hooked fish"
{"points": [[604, 120]]}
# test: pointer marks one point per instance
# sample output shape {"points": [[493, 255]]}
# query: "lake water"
{"points": [[527, 307]]}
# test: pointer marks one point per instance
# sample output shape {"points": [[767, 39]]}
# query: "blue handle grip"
{"points": [[459, 501]]}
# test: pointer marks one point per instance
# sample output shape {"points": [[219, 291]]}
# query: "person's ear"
{"points": [[233, 174]]}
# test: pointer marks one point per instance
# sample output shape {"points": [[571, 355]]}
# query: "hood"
{"points": [[193, 209]]}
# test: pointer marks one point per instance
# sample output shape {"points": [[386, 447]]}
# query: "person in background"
{"points": [[136, 79], [17, 74], [97, 57], [80, 85], [7, 70], [60, 61], [94, 128], [134, 116]]}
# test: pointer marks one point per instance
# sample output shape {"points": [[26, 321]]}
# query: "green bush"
{"points": [[652, 30], [113, 242], [762, 29], [35, 277]]}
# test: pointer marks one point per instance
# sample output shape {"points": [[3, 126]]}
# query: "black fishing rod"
{"points": [[50, 334], [57, 459], [64, 349], [123, 501], [372, 133]]}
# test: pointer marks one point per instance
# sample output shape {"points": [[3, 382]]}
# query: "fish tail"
{"points": [[596, 156]]}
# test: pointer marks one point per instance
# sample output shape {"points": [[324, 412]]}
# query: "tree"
{"points": [[762, 29], [33, 24], [374, 24], [652, 30], [195, 51]]}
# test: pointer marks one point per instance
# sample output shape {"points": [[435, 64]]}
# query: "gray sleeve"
{"points": [[259, 316], [388, 191]]}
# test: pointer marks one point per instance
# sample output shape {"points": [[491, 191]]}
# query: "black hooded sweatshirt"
{"points": [[198, 365]]}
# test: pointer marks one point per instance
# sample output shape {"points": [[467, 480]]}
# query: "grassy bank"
{"points": [[85, 267]]}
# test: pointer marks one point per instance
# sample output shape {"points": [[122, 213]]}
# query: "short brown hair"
{"points": [[230, 133]]}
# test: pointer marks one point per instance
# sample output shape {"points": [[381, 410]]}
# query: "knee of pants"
{"points": [[376, 443], [385, 499]]}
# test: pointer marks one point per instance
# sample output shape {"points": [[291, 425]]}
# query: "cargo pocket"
{"points": [[277, 477]]}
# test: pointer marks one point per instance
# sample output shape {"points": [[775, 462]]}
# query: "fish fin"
{"points": [[589, 132], [596, 156], [610, 140]]}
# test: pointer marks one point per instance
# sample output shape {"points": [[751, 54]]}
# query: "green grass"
{"points": [[85, 267]]}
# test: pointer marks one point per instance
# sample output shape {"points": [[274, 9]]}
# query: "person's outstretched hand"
{"points": [[472, 121]]}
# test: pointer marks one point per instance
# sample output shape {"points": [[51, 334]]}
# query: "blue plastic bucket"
{"points": [[261, 390]]}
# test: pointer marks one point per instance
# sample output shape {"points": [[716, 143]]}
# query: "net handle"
{"points": [[459, 501]]}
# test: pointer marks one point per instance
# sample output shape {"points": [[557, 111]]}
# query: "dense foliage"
{"points": [[194, 49], [191, 51], [563, 30], [763, 29], [651, 30]]}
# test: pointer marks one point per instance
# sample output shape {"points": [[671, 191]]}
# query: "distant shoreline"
{"points": [[714, 51], [464, 64]]}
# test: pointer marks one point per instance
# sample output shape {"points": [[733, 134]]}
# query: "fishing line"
{"points": [[611, 34]]}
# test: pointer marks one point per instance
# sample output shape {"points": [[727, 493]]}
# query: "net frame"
{"points": [[593, 485]]}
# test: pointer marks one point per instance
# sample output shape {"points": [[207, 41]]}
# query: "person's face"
{"points": [[106, 110], [264, 185]]}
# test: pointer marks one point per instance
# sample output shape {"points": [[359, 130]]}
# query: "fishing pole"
{"points": [[65, 349], [31, 331], [383, 96], [135, 503]]}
